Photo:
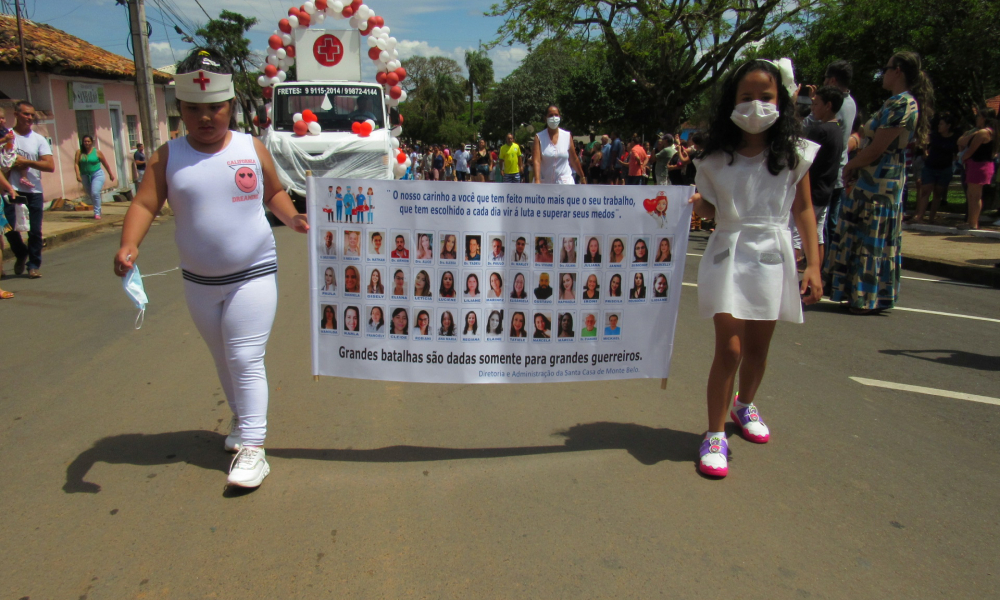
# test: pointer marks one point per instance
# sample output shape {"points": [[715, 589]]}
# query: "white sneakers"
{"points": [[234, 441], [249, 467]]}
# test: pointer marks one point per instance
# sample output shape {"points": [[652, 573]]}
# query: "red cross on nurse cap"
{"points": [[204, 86]]}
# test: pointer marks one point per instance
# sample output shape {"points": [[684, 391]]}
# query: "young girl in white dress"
{"points": [[218, 181], [753, 175]]}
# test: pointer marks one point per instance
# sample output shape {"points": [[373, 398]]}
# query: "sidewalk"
{"points": [[59, 227], [946, 251]]}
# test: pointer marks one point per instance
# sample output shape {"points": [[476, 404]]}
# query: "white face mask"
{"points": [[553, 122], [132, 282], [754, 117]]}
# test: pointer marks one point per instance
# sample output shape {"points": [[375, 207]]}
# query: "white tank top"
{"points": [[555, 158], [222, 234]]}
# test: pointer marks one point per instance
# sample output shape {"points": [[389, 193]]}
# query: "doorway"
{"points": [[121, 164]]}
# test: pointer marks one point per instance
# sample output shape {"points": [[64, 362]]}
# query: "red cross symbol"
{"points": [[328, 50], [201, 80]]}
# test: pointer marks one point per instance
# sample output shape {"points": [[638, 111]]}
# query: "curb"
{"points": [[958, 272], [57, 239]]}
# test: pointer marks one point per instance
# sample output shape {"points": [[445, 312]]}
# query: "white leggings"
{"points": [[235, 321]]}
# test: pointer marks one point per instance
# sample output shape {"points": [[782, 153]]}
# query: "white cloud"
{"points": [[505, 59], [160, 55]]}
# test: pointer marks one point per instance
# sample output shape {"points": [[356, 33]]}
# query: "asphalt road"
{"points": [[112, 469]]}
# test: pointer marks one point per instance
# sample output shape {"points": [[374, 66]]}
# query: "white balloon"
{"points": [[408, 161], [310, 8], [394, 53], [336, 7], [280, 53], [394, 143], [314, 128], [376, 32], [272, 59], [271, 51], [355, 22], [384, 56], [286, 40], [293, 21], [383, 35], [390, 102], [276, 80], [370, 122], [263, 81], [381, 43], [385, 30], [296, 117], [363, 12], [318, 18], [372, 41], [395, 131], [393, 65], [391, 42], [402, 96], [289, 61], [282, 76]]}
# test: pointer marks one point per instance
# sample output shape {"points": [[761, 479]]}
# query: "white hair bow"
{"points": [[784, 66]]}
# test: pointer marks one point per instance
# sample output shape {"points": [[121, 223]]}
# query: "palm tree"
{"points": [[480, 68]]}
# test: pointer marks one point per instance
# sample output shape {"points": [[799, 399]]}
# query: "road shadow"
{"points": [[203, 449], [952, 358]]}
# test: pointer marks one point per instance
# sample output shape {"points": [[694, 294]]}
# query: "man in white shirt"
{"points": [[462, 163], [34, 155]]}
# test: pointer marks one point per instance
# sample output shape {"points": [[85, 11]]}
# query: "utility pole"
{"points": [[20, 40], [143, 74]]}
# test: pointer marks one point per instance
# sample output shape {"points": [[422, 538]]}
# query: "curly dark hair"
{"points": [[782, 137]]}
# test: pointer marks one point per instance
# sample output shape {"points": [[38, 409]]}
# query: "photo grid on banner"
{"points": [[483, 283]]}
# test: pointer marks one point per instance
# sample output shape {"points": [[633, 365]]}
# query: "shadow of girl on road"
{"points": [[203, 449]]}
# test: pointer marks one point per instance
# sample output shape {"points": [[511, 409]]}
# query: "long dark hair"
{"points": [[990, 117], [782, 137], [921, 90], [87, 137]]}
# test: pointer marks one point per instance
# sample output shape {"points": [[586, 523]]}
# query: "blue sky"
{"points": [[423, 27]]}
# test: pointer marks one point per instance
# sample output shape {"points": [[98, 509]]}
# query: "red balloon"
{"points": [[400, 119], [379, 76], [274, 41], [373, 53], [304, 18], [356, 4], [348, 12], [309, 116], [270, 71], [649, 204], [356, 127], [401, 73], [267, 92], [401, 157], [380, 21], [391, 78], [320, 4], [366, 129], [285, 26], [301, 127], [290, 50], [395, 92], [294, 11], [372, 22]]}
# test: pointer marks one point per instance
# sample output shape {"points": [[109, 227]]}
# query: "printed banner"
{"points": [[85, 96], [446, 282]]}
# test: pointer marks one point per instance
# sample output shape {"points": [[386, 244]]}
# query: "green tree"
{"points": [[434, 110], [673, 49], [228, 35], [956, 40], [480, 68]]}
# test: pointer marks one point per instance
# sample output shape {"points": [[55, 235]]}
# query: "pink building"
{"points": [[77, 89]]}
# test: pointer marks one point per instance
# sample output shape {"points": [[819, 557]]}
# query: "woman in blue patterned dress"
{"points": [[864, 263]]}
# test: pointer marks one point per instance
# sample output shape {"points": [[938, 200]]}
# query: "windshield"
{"points": [[336, 106]]}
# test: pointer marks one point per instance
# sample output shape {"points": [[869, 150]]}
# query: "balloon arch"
{"points": [[382, 50]]}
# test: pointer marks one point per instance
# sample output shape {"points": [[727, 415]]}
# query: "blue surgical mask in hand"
{"points": [[132, 282]]}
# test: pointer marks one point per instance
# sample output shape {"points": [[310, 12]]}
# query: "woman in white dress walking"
{"points": [[552, 157], [753, 174]]}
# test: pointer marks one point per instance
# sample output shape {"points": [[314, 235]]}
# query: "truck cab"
{"points": [[338, 104]]}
